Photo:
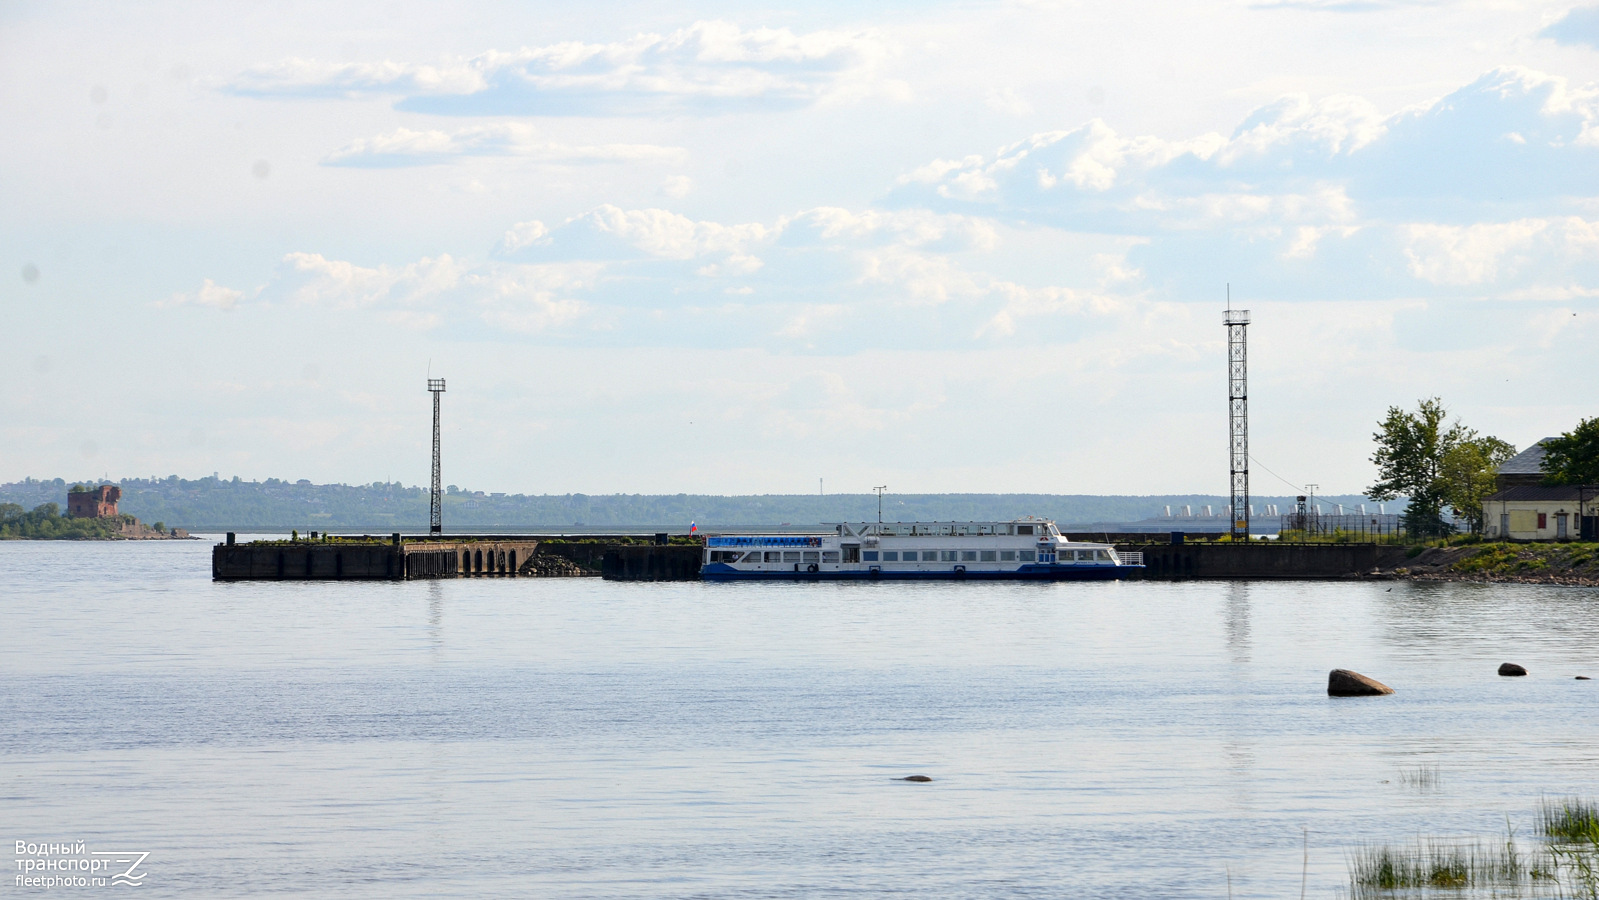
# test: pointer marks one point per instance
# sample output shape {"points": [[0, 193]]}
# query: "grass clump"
{"points": [[1422, 778], [1570, 819], [1427, 867]]}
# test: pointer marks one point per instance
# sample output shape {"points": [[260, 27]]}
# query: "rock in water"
{"points": [[1344, 683], [1511, 669], [917, 778], [1583, 678]]}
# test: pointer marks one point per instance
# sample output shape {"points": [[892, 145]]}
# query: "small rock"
{"points": [[1583, 678], [1344, 683], [1511, 669], [916, 778]]}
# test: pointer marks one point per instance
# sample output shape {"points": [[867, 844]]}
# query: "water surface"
{"points": [[577, 738]]}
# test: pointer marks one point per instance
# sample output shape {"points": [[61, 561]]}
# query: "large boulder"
{"points": [[1344, 683], [1511, 669]]}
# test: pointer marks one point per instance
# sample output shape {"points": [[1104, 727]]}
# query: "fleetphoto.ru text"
{"points": [[67, 865]]}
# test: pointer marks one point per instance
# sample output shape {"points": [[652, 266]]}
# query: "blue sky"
{"points": [[732, 249]]}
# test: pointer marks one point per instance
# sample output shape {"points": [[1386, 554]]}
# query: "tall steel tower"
{"points": [[436, 507], [1237, 321]]}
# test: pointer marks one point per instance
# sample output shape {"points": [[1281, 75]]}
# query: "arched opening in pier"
{"points": [[513, 562], [478, 562]]}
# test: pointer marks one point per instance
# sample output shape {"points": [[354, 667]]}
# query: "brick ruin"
{"points": [[94, 503]]}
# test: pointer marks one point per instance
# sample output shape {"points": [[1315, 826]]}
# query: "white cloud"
{"points": [[312, 279], [1491, 252], [1449, 154], [210, 294], [404, 147], [610, 232], [677, 187], [708, 67], [1580, 25]]}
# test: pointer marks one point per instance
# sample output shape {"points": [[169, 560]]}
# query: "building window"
{"points": [[1543, 521]]}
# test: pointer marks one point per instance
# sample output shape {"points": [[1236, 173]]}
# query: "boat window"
{"points": [[812, 556], [929, 556], [990, 556], [968, 556], [868, 556], [1024, 529], [830, 556], [1082, 555], [774, 556], [1007, 556], [791, 556], [890, 556], [1026, 555], [1102, 555]]}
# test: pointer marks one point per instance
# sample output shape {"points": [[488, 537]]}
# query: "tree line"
{"points": [[1442, 465]]}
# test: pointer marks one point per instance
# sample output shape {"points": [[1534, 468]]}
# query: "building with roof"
{"points": [[1525, 509]]}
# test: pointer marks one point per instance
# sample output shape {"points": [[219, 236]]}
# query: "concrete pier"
{"points": [[653, 558], [1263, 559], [366, 558]]}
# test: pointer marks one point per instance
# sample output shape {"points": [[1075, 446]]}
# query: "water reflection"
{"points": [[1238, 622], [435, 619]]}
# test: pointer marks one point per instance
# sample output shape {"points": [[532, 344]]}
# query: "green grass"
{"points": [[1429, 866], [1570, 819], [1564, 865]]}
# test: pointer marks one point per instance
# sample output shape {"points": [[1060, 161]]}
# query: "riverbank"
{"points": [[1505, 563]]}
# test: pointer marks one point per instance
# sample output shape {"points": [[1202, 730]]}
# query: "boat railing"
{"points": [[1130, 557]]}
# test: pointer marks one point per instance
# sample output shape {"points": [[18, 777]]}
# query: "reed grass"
{"points": [[1571, 819], [1422, 778], [1427, 867], [1564, 865]]}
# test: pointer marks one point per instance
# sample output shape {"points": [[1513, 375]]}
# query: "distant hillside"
{"points": [[211, 504]]}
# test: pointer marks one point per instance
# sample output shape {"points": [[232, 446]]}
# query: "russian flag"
{"points": [[693, 528]]}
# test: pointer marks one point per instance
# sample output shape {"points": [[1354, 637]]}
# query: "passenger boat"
{"points": [[1025, 549]]}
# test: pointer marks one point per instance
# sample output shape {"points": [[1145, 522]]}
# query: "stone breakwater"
{"points": [[1505, 563]]}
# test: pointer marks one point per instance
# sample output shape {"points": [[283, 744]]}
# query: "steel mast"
{"points": [[1237, 322], [436, 506]]}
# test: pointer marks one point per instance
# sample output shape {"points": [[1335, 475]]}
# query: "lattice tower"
{"points": [[1237, 322], [436, 504]]}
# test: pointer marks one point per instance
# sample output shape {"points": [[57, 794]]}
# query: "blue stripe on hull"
{"points": [[724, 572]]}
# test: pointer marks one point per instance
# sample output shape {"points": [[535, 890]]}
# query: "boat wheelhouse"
{"points": [[1029, 549]]}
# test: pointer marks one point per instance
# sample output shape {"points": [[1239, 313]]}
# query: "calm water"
{"points": [[576, 738]]}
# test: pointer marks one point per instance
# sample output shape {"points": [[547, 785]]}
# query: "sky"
{"points": [[733, 248]]}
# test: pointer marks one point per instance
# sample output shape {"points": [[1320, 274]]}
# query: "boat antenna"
{"points": [[880, 489]]}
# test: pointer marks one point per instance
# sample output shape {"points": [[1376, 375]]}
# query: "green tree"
{"points": [[1409, 458], [1573, 458], [1468, 471]]}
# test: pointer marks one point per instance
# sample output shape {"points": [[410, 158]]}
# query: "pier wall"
{"points": [[347, 560], [675, 562], [1263, 559]]}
